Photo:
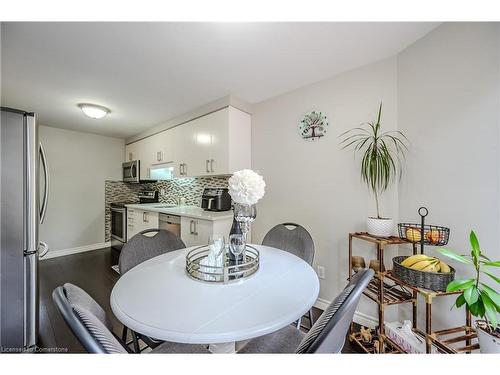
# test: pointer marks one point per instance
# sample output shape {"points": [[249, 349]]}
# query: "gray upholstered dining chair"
{"points": [[294, 239], [90, 325], [139, 249], [327, 335]]}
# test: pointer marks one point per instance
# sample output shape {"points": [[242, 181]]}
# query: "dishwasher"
{"points": [[171, 223]]}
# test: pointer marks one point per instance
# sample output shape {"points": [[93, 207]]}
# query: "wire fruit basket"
{"points": [[433, 235], [425, 234], [436, 281], [228, 272]]}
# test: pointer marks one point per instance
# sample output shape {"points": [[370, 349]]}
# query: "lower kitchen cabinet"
{"points": [[139, 220], [196, 232]]}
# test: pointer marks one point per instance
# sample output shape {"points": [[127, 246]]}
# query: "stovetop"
{"points": [[121, 204]]}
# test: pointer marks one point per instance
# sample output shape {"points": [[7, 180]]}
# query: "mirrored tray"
{"points": [[223, 274]]}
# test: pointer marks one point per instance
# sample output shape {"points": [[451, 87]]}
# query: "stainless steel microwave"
{"points": [[131, 171]]}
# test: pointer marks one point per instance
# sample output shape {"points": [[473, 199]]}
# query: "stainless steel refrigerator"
{"points": [[22, 210]]}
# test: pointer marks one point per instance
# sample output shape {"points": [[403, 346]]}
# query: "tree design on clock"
{"points": [[313, 125]]}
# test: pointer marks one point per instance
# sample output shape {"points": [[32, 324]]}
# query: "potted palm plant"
{"points": [[482, 300], [381, 162]]}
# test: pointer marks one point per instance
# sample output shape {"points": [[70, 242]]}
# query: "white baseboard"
{"points": [[75, 250], [365, 320], [359, 317], [321, 303]]}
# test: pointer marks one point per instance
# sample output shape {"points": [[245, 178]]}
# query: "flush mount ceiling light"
{"points": [[94, 110]]}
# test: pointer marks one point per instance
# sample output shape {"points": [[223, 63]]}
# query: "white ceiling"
{"points": [[147, 73]]}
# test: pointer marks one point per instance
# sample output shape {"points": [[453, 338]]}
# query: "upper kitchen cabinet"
{"points": [[131, 152], [147, 155], [217, 143], [222, 142], [186, 149]]}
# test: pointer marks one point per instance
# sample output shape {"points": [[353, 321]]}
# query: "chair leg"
{"points": [[124, 334], [136, 342], [298, 322], [311, 319]]}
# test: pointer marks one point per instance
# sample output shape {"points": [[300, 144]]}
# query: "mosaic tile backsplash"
{"points": [[189, 188]]}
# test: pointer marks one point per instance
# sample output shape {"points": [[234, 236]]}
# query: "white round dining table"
{"points": [[158, 299]]}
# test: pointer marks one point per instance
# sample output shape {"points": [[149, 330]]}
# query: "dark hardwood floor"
{"points": [[92, 272]]}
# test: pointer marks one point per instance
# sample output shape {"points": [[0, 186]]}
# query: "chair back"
{"points": [[86, 319], [292, 238], [141, 248], [328, 334]]}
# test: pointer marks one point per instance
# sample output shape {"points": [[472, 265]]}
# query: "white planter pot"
{"points": [[380, 227], [487, 343]]}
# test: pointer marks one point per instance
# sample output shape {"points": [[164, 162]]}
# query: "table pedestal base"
{"points": [[224, 348]]}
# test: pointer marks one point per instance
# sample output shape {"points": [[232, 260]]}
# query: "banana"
{"points": [[433, 267], [408, 262], [421, 265], [424, 263], [444, 268]]}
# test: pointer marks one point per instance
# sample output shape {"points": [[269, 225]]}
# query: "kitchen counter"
{"points": [[194, 212]]}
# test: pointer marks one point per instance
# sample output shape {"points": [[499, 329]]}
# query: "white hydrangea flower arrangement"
{"points": [[246, 187]]}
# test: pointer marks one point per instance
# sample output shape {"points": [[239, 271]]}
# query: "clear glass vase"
{"points": [[244, 215]]}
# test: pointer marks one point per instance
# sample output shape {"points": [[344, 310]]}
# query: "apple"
{"points": [[433, 236]]}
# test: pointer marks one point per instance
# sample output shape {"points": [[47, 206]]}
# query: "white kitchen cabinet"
{"points": [[222, 142], [139, 220], [196, 232], [147, 156], [211, 136], [131, 152], [218, 143], [185, 149]]}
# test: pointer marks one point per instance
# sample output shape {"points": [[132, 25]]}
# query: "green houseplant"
{"points": [[381, 162], [482, 300]]}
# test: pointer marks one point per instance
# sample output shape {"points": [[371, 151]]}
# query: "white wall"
{"points": [[444, 93], [79, 163], [448, 94], [316, 184]]}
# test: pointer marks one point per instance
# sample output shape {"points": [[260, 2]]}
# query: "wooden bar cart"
{"points": [[387, 290]]}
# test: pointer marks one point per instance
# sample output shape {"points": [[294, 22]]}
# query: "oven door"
{"points": [[119, 224], [131, 172]]}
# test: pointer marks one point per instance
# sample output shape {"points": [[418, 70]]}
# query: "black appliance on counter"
{"points": [[148, 196], [119, 222], [216, 199]]}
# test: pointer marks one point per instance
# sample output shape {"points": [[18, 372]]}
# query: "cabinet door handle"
{"points": [[185, 169], [212, 165], [195, 232], [149, 172], [206, 165], [159, 156], [191, 227]]}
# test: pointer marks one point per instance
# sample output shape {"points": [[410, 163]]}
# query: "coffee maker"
{"points": [[216, 199]]}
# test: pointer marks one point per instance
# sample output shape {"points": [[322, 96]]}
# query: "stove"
{"points": [[119, 221]]}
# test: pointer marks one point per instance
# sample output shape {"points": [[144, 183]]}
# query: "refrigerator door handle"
{"points": [[43, 158], [45, 249]]}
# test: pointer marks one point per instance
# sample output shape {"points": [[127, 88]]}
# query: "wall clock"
{"points": [[313, 126]]}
